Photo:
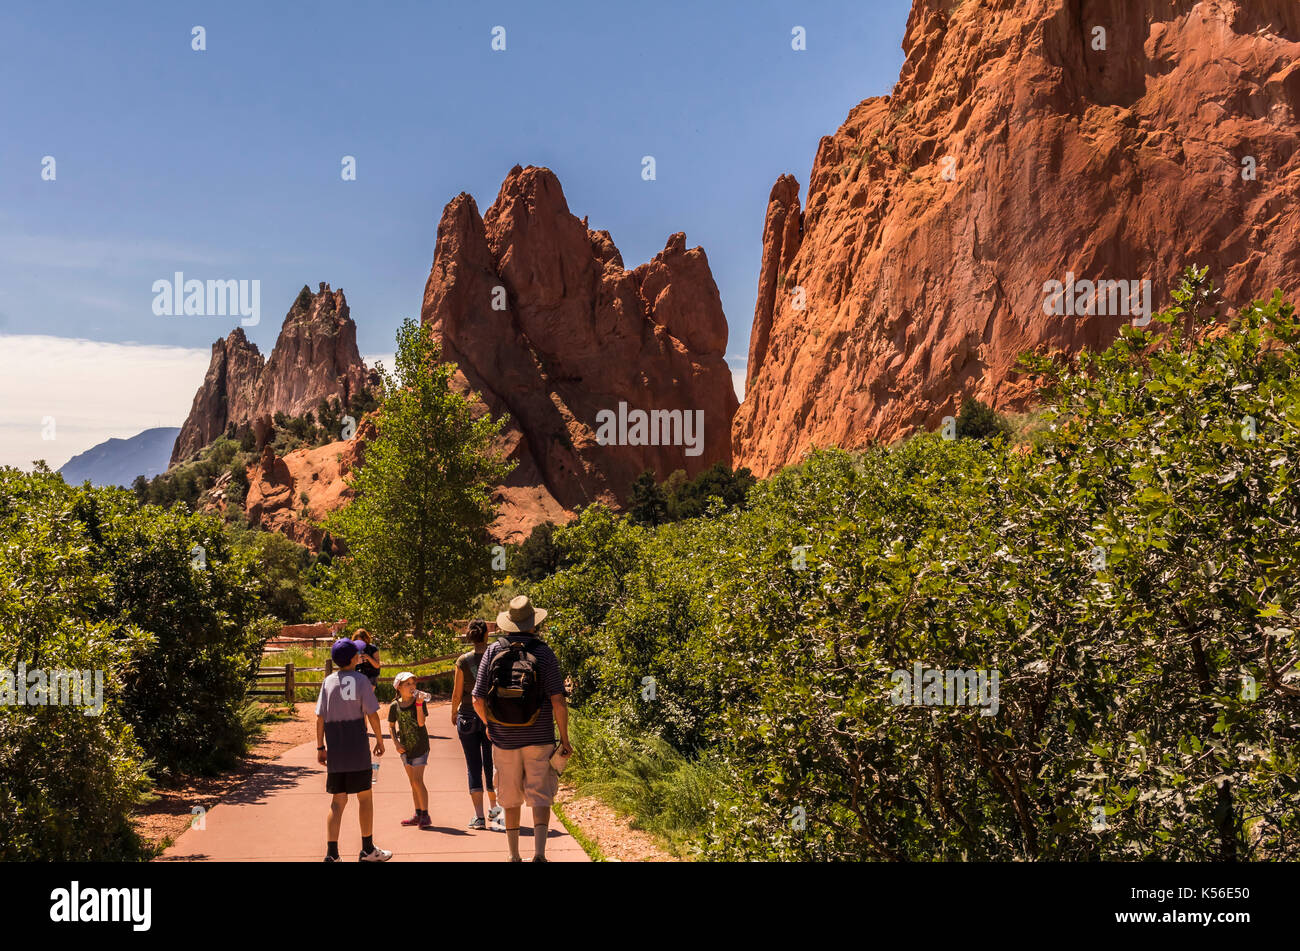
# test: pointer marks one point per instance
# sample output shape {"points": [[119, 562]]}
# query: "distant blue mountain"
{"points": [[119, 461]]}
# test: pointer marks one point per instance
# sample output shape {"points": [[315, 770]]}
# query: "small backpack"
{"points": [[515, 689]]}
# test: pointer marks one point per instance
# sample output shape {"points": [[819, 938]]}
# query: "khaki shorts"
{"points": [[525, 774]]}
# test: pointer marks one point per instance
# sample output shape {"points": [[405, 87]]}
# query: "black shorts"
{"points": [[356, 781]]}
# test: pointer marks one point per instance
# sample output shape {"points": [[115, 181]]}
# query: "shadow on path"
{"points": [[273, 778]]}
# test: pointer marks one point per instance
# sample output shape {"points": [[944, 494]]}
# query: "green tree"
{"points": [[237, 490], [416, 534], [178, 577], [977, 420], [647, 504], [693, 498], [70, 780], [539, 555], [280, 571]]}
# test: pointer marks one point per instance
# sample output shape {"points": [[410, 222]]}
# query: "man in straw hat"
{"points": [[519, 694]]}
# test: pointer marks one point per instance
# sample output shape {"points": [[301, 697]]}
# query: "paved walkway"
{"points": [[279, 814]]}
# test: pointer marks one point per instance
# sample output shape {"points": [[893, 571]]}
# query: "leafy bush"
{"points": [[92, 581], [184, 694], [281, 571], [1130, 578], [977, 420], [70, 779]]}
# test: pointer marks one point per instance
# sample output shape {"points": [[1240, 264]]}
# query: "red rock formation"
{"points": [[1123, 163], [314, 358], [231, 381], [276, 486], [572, 334]]}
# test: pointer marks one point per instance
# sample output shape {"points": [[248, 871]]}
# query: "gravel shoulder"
{"points": [[612, 832]]}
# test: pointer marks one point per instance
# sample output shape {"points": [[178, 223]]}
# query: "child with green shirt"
{"points": [[406, 717]]}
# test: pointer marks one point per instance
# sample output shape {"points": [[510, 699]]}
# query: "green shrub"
{"points": [[1130, 578], [680, 497], [665, 792], [976, 420], [70, 779], [176, 576]]}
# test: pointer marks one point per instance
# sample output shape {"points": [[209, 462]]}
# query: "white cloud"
{"points": [[94, 391], [738, 362]]}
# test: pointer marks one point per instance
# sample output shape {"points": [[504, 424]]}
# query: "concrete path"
{"points": [[279, 814]]}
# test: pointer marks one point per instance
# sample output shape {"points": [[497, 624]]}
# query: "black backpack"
{"points": [[515, 690]]}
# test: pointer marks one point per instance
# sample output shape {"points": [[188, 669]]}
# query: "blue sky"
{"points": [[226, 163]]}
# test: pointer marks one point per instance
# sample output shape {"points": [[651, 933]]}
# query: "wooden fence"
{"points": [[266, 686], [281, 683]]}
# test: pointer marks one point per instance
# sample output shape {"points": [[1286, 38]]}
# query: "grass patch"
{"points": [[665, 793]]}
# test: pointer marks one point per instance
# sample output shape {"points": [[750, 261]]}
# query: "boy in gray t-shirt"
{"points": [[346, 702]]}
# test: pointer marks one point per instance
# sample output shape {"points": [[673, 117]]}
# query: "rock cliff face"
{"points": [[277, 484], [546, 324], [1026, 141], [228, 392], [315, 357]]}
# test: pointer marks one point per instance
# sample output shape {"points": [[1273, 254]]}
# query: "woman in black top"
{"points": [[368, 667], [472, 731]]}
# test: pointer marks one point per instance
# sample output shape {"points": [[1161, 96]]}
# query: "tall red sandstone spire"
{"points": [[547, 325], [1025, 139], [314, 358], [230, 386]]}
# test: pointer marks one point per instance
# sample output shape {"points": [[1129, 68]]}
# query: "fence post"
{"points": [[329, 666], [288, 683]]}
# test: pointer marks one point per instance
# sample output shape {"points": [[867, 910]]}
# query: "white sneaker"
{"points": [[497, 819], [376, 855]]}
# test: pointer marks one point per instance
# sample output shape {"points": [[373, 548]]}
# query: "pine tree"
{"points": [[647, 504]]}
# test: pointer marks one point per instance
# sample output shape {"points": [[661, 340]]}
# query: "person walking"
{"points": [[519, 696], [346, 702], [473, 731]]}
